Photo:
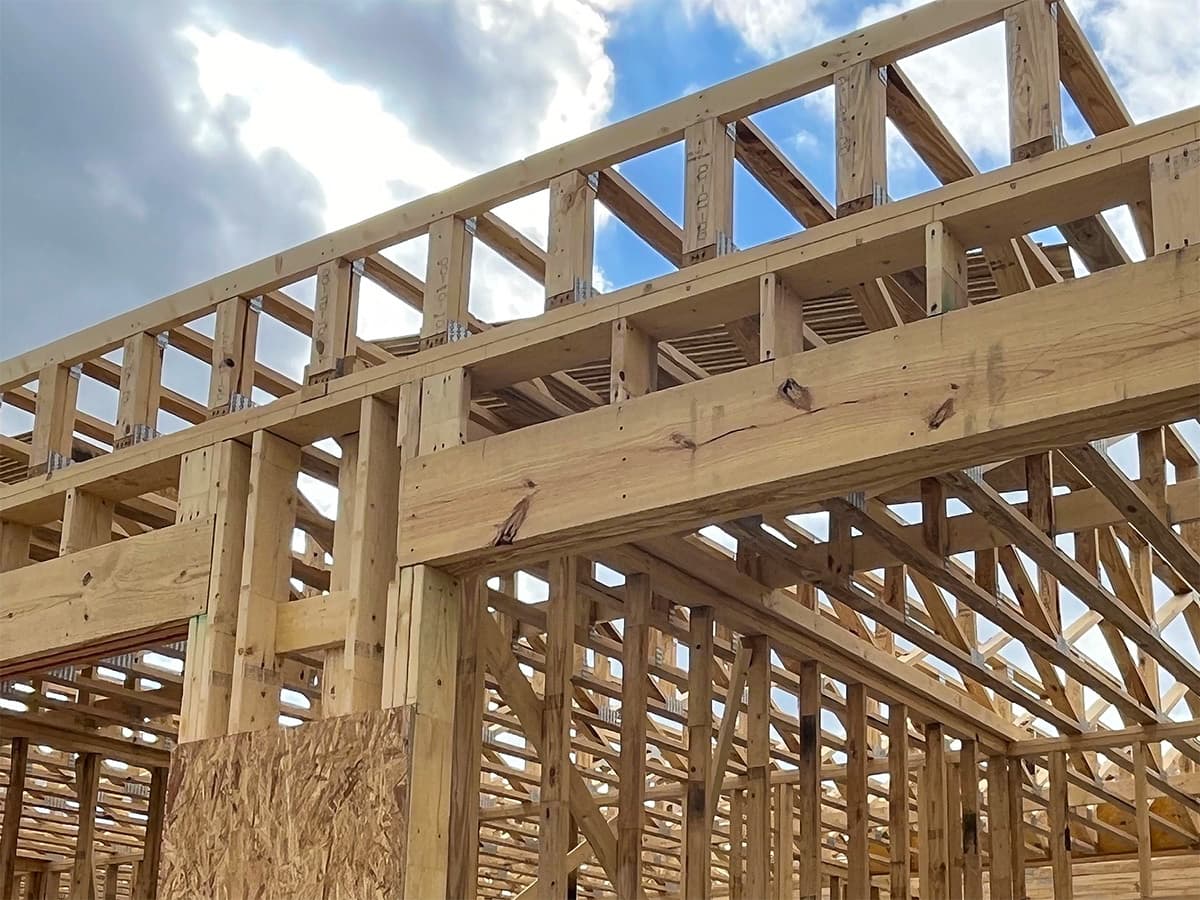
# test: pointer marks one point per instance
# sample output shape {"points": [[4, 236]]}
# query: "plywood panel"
{"points": [[316, 811]]}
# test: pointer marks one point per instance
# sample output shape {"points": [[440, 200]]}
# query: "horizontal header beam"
{"points": [[965, 388]]}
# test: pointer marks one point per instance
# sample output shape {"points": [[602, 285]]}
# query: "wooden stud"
{"points": [[1034, 99], [707, 191], [1174, 186], [18, 755], [945, 271], [858, 861], [1060, 829], [935, 792], [781, 328], [1016, 827], [445, 315], [972, 870], [140, 389], [737, 837], [15, 540], [1141, 802], [758, 769], [111, 874], [1000, 836], [364, 561], [808, 783], [571, 239], [635, 688], [434, 601], [554, 830], [445, 409], [954, 828], [634, 370], [214, 481], [87, 787], [235, 338], [467, 745], [899, 829], [697, 814], [860, 111], [147, 882], [53, 419], [335, 322], [785, 838], [266, 567], [87, 522]]}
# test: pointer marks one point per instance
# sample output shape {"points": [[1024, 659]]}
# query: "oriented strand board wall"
{"points": [[316, 811]]}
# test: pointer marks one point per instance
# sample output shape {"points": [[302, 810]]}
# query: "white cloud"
{"points": [[367, 158], [770, 27], [1149, 50]]}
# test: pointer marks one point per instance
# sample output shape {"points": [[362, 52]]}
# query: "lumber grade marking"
{"points": [[134, 586]]}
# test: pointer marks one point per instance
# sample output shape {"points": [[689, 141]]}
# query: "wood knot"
{"points": [[941, 414], [682, 440], [796, 394]]}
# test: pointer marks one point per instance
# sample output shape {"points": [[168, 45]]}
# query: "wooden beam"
{"points": [[447, 283], [147, 880], [53, 418], [463, 842], [758, 761], [1034, 106], [140, 388], [635, 686], [634, 369], [781, 326], [235, 339], [783, 862], [697, 806], [84, 599], [266, 567], [335, 322], [555, 799], [1141, 802], [431, 607], [858, 857], [1174, 182], [1143, 513], [364, 563], [10, 828], [87, 786], [707, 192], [1060, 828], [899, 828], [972, 871], [214, 482], [87, 522], [456, 519], [571, 242], [945, 271], [860, 110], [935, 839], [1000, 835]]}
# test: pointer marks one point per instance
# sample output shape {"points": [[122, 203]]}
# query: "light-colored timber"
{"points": [[859, 564]]}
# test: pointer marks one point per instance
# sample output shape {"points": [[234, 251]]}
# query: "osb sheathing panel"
{"points": [[316, 811]]}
